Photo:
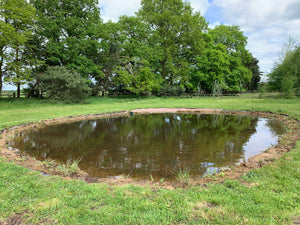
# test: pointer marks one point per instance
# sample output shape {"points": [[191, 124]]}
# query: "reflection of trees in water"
{"points": [[276, 126], [145, 144], [61, 142]]}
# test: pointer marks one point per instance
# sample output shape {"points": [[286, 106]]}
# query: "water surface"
{"points": [[153, 144]]}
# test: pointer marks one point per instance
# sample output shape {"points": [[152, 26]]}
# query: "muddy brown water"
{"points": [[152, 145]]}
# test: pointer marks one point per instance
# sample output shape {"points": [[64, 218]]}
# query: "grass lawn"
{"points": [[271, 196]]}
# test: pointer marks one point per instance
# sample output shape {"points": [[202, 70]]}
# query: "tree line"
{"points": [[62, 47], [285, 75]]}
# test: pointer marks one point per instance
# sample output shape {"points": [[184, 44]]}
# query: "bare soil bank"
{"points": [[285, 144]]}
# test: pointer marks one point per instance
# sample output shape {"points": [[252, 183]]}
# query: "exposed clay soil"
{"points": [[286, 144]]}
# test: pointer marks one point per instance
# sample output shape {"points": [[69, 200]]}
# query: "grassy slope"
{"points": [[272, 199]]}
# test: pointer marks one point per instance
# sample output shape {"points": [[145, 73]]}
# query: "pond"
{"points": [[155, 145]]}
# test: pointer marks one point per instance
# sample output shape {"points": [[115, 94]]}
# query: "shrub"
{"points": [[61, 84]]}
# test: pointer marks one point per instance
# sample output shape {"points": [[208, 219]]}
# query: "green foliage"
{"points": [[217, 88], [286, 75], [167, 45], [212, 66], [68, 35], [176, 36], [137, 79], [287, 86], [62, 85], [183, 176], [234, 41], [171, 90], [262, 88], [256, 74], [69, 168], [16, 28]]}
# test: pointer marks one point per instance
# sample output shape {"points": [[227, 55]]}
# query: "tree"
{"points": [[285, 76], [136, 77], [235, 42], [109, 56], [175, 35], [134, 72], [212, 66], [124, 57], [60, 84], [68, 35], [16, 21], [256, 74]]}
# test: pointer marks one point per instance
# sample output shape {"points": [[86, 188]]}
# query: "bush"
{"points": [[287, 86], [169, 90], [63, 85]]}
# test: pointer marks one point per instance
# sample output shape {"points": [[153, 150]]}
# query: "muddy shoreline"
{"points": [[286, 143]]}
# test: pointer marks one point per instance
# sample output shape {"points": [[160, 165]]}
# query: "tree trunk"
{"points": [[18, 83], [18, 90], [32, 90], [0, 80], [1, 73]]}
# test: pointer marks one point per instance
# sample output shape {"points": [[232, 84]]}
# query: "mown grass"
{"points": [[269, 195], [14, 111]]}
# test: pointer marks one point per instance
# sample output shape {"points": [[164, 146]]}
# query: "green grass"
{"points": [[14, 112], [271, 195]]}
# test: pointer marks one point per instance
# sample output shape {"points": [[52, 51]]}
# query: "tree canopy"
{"points": [[285, 76], [166, 47], [17, 19]]}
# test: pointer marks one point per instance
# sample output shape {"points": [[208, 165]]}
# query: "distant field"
{"points": [[269, 195]]}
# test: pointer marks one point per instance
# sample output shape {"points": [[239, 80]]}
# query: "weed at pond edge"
{"points": [[182, 176], [69, 168]]}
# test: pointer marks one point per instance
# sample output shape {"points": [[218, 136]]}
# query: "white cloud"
{"points": [[200, 5], [255, 11], [213, 25], [113, 9], [266, 23]]}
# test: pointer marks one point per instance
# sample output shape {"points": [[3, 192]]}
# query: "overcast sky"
{"points": [[266, 23]]}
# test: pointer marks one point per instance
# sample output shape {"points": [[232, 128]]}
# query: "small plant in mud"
{"points": [[182, 176], [22, 158], [69, 168], [66, 169], [221, 174], [260, 163], [48, 163], [151, 178]]}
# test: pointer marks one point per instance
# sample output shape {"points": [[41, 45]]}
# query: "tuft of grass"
{"points": [[182, 176], [66, 169], [69, 168], [48, 163]]}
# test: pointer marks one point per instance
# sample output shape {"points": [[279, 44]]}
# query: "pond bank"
{"points": [[286, 143]]}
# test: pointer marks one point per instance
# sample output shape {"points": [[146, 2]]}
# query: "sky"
{"points": [[266, 23]]}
